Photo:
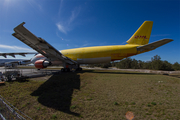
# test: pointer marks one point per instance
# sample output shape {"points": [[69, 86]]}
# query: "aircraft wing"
{"points": [[22, 62], [13, 54], [13, 62], [39, 44], [154, 45]]}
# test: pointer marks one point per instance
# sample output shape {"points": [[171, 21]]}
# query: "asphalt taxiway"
{"points": [[31, 72]]}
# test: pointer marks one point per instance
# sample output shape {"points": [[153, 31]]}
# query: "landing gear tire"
{"points": [[65, 70], [79, 69], [62, 70]]}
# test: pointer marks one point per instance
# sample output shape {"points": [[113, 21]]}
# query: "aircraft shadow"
{"points": [[57, 91]]}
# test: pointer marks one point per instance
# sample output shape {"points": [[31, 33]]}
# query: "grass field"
{"points": [[97, 94]]}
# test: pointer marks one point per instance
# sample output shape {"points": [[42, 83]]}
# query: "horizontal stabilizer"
{"points": [[153, 45]]}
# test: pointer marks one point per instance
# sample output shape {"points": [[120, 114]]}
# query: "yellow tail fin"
{"points": [[142, 35]]}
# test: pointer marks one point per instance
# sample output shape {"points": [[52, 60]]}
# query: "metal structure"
{"points": [[10, 74], [9, 112]]}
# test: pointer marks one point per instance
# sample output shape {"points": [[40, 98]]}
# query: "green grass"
{"points": [[54, 117], [96, 94]]}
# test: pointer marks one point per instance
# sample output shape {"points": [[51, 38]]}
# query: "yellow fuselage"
{"points": [[100, 54]]}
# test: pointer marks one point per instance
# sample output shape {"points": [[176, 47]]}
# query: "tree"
{"points": [[176, 66], [147, 65], [124, 64], [156, 63], [140, 64], [106, 65], [166, 66], [134, 64]]}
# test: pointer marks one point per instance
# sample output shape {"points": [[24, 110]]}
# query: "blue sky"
{"points": [[69, 24]]}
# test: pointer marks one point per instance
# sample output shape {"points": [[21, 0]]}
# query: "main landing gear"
{"points": [[68, 69], [65, 70], [79, 69]]}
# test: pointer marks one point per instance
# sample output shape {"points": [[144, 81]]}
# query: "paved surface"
{"points": [[136, 70], [31, 72], [38, 73]]}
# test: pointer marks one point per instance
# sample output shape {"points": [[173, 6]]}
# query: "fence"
{"points": [[9, 112]]}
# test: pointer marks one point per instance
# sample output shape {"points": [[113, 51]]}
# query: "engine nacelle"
{"points": [[42, 64]]}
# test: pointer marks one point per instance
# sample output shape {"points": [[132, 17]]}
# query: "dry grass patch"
{"points": [[97, 94]]}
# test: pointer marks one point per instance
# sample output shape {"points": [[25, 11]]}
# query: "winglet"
{"points": [[142, 35]]}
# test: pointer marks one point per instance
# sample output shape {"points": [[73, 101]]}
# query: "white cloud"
{"points": [[67, 21], [16, 48], [35, 5], [60, 7], [74, 14], [123, 43], [61, 28], [86, 44]]}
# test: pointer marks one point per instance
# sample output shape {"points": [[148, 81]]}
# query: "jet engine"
{"points": [[39, 64]]}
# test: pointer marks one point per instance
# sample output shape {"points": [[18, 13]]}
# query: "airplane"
{"points": [[11, 63], [72, 58]]}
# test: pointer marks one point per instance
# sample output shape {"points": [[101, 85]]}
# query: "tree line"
{"points": [[155, 64]]}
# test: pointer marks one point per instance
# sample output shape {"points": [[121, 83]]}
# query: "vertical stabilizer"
{"points": [[142, 35]]}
